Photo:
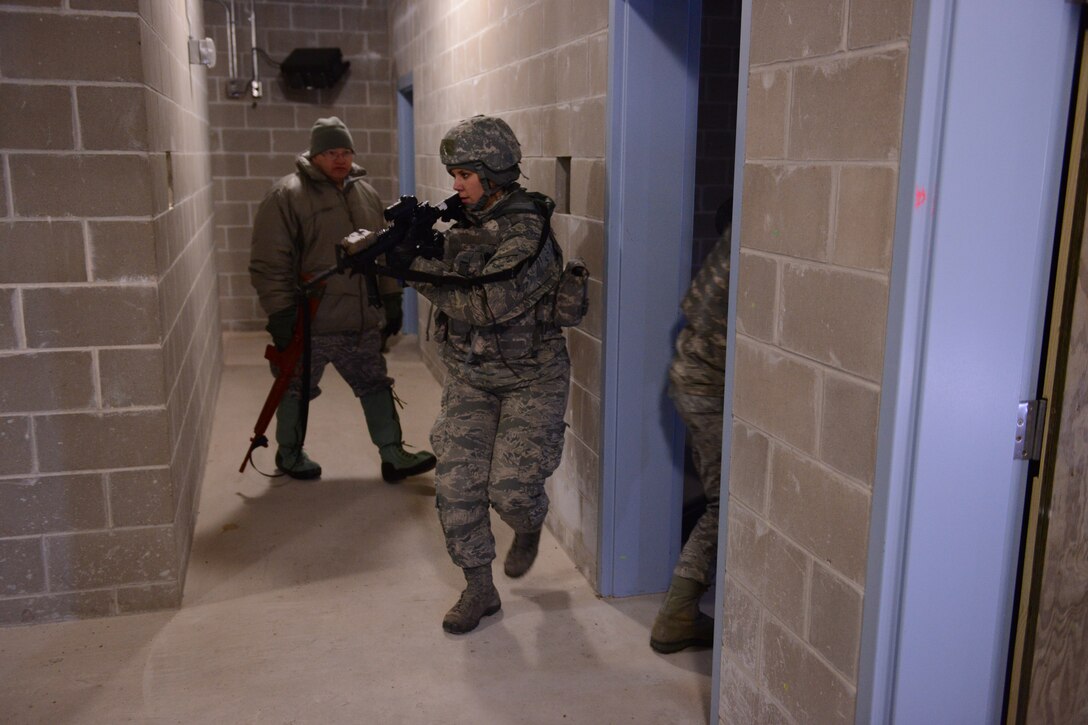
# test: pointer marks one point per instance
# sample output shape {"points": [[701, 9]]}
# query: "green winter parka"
{"points": [[295, 233]]}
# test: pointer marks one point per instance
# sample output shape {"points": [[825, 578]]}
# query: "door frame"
{"points": [[653, 89], [1041, 567], [970, 272], [731, 348]]}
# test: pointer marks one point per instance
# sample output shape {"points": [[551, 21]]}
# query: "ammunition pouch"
{"points": [[571, 301]]}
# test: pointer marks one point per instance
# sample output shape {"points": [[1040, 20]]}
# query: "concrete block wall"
{"points": [[542, 66], [254, 144], [826, 89], [109, 344]]}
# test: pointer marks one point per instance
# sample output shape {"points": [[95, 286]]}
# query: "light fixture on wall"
{"points": [[313, 68], [202, 52]]}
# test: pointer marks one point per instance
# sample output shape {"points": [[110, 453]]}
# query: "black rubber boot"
{"points": [[522, 554], [384, 426], [290, 458], [480, 599], [680, 624]]}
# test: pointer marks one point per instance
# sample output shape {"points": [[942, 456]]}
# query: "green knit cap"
{"points": [[329, 133]]}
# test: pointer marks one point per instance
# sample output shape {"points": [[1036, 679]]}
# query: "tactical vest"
{"points": [[563, 305]]}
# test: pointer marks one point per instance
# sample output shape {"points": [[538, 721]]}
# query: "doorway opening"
{"points": [[673, 101], [715, 161]]}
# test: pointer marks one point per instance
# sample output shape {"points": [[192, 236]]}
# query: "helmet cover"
{"points": [[484, 139]]}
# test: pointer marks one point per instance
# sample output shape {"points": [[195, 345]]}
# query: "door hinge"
{"points": [[1030, 421]]}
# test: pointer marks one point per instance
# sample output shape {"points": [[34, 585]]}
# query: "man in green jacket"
{"points": [[295, 233]]}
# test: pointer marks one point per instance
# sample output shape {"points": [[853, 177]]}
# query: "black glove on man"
{"points": [[393, 305], [282, 327]]}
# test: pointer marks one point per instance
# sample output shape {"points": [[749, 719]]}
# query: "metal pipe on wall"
{"points": [[255, 90], [232, 62]]}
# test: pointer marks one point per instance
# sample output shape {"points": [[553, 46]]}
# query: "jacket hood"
{"points": [[303, 163]]}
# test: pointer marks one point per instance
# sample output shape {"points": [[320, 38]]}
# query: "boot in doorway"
{"points": [[384, 425], [680, 624], [480, 599]]}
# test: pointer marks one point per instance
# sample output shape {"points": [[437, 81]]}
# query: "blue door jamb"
{"points": [[731, 347], [652, 121], [406, 175]]}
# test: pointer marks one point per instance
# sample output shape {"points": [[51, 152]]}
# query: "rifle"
{"points": [[410, 222]]}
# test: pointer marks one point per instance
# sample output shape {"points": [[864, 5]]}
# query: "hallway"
{"points": [[321, 603]]}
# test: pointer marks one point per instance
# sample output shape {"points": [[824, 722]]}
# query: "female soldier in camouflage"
{"points": [[500, 431]]}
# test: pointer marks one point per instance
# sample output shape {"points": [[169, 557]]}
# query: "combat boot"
{"points": [[522, 554], [384, 425], [680, 624], [290, 458], [480, 599]]}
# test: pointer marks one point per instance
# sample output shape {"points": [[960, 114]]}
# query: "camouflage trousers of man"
{"points": [[357, 356], [495, 448], [703, 417]]}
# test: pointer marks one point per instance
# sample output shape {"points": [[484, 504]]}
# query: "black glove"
{"points": [[394, 314], [432, 247], [419, 229], [282, 327], [400, 257], [427, 242]]}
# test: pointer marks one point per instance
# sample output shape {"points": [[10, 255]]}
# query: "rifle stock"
{"points": [[285, 361]]}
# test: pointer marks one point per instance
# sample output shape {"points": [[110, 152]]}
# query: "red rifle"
{"points": [[285, 361]]}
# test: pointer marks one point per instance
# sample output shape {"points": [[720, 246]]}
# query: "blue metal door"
{"points": [[987, 103]]}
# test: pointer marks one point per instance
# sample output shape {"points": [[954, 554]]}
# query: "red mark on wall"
{"points": [[919, 196]]}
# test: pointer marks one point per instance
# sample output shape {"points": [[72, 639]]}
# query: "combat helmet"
{"points": [[486, 145]]}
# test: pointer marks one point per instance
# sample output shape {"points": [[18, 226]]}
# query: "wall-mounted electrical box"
{"points": [[202, 52], [313, 68]]}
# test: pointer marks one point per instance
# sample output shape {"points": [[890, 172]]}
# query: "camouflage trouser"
{"points": [[357, 356], [495, 448], [703, 418]]}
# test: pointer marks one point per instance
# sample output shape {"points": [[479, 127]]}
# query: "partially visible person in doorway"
{"points": [[499, 434], [697, 389], [295, 233]]}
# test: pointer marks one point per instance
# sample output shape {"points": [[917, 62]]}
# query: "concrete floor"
{"points": [[322, 603]]}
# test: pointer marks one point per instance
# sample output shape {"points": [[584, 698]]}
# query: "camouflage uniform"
{"points": [[697, 388], [500, 431]]}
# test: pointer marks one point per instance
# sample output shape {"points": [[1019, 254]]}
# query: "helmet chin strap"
{"points": [[490, 186], [491, 190], [485, 198]]}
